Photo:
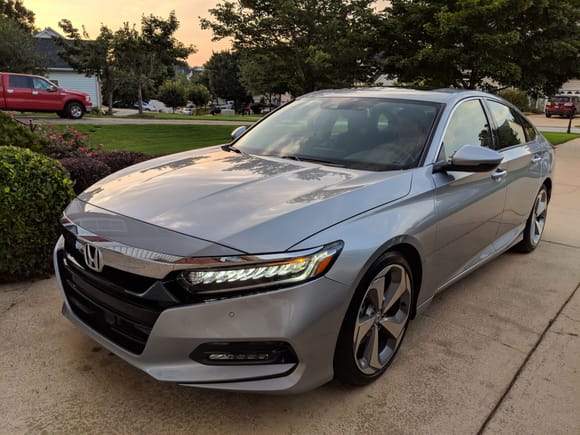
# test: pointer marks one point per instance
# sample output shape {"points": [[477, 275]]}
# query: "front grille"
{"points": [[106, 307]]}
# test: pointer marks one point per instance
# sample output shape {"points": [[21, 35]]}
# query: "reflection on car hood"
{"points": [[250, 203]]}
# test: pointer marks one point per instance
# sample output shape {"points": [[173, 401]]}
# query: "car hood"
{"points": [[249, 203]]}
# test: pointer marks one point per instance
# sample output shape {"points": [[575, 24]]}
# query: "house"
{"points": [[60, 72]]}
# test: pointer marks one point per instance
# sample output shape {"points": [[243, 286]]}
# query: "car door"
{"points": [[45, 95], [519, 143], [469, 205], [19, 92]]}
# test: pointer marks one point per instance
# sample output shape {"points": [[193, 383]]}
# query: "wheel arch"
{"points": [[413, 257]]}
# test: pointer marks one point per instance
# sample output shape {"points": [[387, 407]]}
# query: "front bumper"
{"points": [[307, 317]]}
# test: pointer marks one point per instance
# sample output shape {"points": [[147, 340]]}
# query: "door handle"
{"points": [[10, 91], [34, 92], [499, 174], [536, 158]]}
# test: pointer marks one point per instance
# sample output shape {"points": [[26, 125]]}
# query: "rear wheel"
{"points": [[74, 110], [376, 321], [548, 115], [535, 223]]}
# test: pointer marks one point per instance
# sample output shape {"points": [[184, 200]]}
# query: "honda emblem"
{"points": [[93, 258]]}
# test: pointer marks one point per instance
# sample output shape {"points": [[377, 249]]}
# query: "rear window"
{"points": [[560, 99]]}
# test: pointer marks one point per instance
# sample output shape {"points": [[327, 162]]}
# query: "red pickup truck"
{"points": [[28, 93]]}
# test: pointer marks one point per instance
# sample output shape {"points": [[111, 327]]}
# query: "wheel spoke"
{"points": [[541, 206], [372, 350], [363, 328], [377, 292], [539, 226], [394, 325], [396, 291]]}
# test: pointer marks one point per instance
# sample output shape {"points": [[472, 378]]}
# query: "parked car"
{"points": [[30, 93], [186, 111], [563, 105], [215, 110], [300, 251], [146, 107]]}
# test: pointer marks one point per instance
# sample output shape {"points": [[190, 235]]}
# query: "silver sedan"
{"points": [[300, 251]]}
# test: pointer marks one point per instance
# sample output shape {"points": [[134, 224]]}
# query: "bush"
{"points": [[85, 171], [18, 135], [68, 143], [117, 160], [517, 98], [34, 190]]}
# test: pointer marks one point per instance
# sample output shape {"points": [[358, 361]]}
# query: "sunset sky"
{"points": [[113, 13]]}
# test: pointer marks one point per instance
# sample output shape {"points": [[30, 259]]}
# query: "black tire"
{"points": [[548, 115], [536, 223], [74, 110], [354, 357]]}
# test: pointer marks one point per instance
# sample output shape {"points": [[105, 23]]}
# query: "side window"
{"points": [[468, 126], [41, 84], [508, 131], [20, 81], [529, 129]]}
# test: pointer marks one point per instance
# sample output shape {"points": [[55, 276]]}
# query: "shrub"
{"points": [[67, 143], [517, 98], [85, 171], [18, 135], [117, 160], [34, 190]]}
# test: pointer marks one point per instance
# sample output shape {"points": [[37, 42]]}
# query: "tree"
{"points": [[17, 49], [172, 93], [149, 55], [92, 57], [264, 75], [441, 43], [223, 71], [311, 44], [15, 10], [198, 94]]}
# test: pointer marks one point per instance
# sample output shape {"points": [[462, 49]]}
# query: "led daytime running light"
{"points": [[283, 270]]}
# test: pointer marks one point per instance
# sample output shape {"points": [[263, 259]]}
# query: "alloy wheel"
{"points": [[382, 319], [539, 217]]}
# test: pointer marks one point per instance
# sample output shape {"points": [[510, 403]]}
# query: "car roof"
{"points": [[446, 95]]}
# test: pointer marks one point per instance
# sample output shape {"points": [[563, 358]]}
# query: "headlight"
{"points": [[88, 98], [251, 272]]}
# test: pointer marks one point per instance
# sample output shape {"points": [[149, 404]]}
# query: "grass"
{"points": [[557, 138], [155, 139], [153, 115]]}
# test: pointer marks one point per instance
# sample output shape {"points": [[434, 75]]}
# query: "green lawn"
{"points": [[558, 138], [155, 138], [150, 115]]}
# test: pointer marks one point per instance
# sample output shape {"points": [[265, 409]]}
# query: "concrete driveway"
{"points": [[499, 352]]}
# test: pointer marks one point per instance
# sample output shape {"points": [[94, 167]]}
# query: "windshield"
{"points": [[354, 132]]}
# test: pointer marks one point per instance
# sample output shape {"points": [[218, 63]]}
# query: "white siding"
{"points": [[78, 82], [571, 86]]}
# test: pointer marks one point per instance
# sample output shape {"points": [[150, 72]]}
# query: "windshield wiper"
{"points": [[229, 147], [300, 158]]}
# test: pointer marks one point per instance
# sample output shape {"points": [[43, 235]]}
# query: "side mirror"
{"points": [[52, 89], [238, 132], [470, 158]]}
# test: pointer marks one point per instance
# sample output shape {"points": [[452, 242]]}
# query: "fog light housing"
{"points": [[244, 353]]}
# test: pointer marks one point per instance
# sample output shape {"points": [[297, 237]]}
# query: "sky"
{"points": [[113, 13]]}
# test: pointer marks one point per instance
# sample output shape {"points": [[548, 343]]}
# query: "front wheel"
{"points": [[376, 321], [75, 110], [535, 223]]}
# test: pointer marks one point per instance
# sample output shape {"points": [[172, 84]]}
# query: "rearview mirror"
{"points": [[471, 158], [238, 132]]}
